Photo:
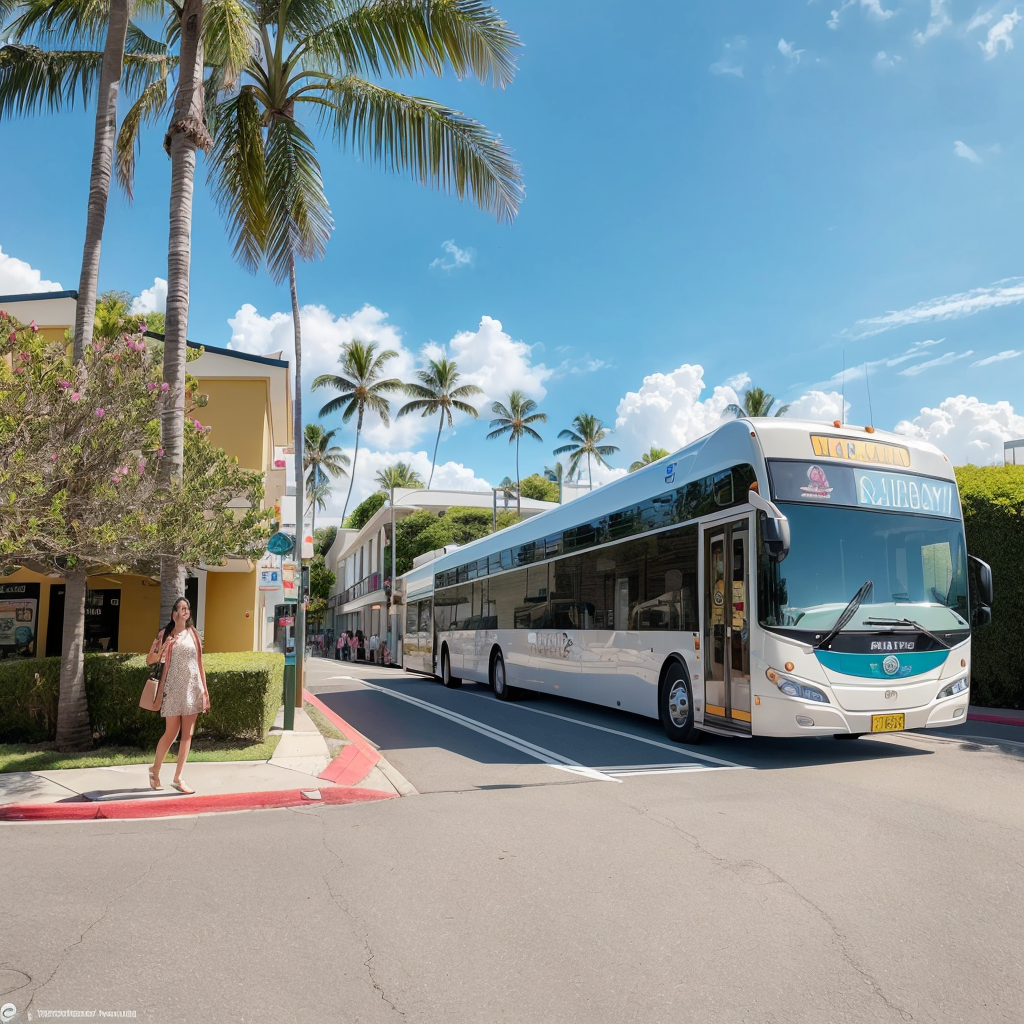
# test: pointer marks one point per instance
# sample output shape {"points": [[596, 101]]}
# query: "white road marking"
{"points": [[675, 748], [548, 757]]}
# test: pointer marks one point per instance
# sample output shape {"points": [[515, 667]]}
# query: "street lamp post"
{"points": [[393, 615]]}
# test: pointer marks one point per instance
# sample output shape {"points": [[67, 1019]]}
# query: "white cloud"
{"points": [[966, 430], [858, 372], [818, 405], [937, 24], [873, 7], [789, 51], [725, 67], [730, 63], [152, 300], [452, 476], [1000, 32], [943, 360], [1007, 292], [998, 357], [963, 150], [18, 278], [454, 258], [980, 18], [668, 411], [884, 61], [490, 358]]}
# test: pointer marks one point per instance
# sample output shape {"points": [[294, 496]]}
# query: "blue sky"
{"points": [[712, 191]]}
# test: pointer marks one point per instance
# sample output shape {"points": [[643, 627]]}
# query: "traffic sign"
{"points": [[281, 544]]}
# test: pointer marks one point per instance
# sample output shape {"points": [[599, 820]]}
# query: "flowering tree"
{"points": [[80, 489]]}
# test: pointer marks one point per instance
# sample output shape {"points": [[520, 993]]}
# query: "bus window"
{"points": [[424, 617], [410, 617]]}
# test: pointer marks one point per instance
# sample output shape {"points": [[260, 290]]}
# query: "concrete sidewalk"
{"points": [[302, 769]]}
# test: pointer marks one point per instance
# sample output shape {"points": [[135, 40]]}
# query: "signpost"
{"points": [[282, 544]]}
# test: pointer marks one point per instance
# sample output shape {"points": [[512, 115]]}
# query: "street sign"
{"points": [[270, 579], [281, 544]]}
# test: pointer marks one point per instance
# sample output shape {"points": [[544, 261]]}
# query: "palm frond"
{"points": [[139, 41], [151, 107], [229, 36], [238, 176], [74, 24], [299, 221], [33, 80], [410, 37], [469, 410], [432, 143]]}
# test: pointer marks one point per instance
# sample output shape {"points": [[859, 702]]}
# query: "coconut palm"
{"points": [[515, 419], [439, 390], [554, 474], [648, 457], [33, 79], [322, 462], [585, 439], [399, 475], [360, 388], [756, 402]]}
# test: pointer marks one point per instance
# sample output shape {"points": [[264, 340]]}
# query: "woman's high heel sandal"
{"points": [[182, 786], [154, 780]]}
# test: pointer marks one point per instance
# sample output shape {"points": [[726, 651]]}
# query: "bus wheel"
{"points": [[446, 672], [499, 680], [675, 706]]}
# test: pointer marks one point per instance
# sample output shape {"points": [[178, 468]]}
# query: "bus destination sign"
{"points": [[827, 446]]}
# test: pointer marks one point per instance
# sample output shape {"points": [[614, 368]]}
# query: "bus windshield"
{"points": [[917, 566]]}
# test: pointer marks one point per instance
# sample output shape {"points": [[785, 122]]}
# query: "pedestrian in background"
{"points": [[185, 694]]}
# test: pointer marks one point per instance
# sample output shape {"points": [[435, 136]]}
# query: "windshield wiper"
{"points": [[847, 613], [912, 624]]}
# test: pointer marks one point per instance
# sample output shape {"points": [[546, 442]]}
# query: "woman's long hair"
{"points": [[169, 628]]}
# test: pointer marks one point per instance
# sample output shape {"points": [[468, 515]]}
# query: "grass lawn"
{"points": [[327, 728], [23, 757]]}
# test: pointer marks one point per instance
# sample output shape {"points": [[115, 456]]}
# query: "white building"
{"points": [[358, 602]]}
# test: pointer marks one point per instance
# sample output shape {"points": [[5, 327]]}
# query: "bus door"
{"points": [[727, 624]]}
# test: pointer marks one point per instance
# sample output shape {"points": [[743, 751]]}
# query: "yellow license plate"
{"points": [[887, 723]]}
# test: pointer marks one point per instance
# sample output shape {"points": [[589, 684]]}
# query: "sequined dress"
{"points": [[183, 686]]}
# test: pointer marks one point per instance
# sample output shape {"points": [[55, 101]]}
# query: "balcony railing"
{"points": [[367, 585]]}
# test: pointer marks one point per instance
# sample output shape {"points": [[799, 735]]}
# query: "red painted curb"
{"points": [[206, 804], [353, 764], [997, 719]]}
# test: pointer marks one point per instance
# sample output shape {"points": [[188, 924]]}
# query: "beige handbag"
{"points": [[152, 695]]}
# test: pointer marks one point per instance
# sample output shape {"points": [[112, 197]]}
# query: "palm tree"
{"points": [[314, 56], [554, 474], [322, 462], [398, 475], [756, 402], [34, 79], [648, 457], [437, 390], [585, 438], [360, 388], [515, 420]]}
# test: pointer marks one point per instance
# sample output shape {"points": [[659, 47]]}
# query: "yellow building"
{"points": [[250, 416]]}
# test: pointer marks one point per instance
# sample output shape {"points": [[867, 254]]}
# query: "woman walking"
{"points": [[185, 695]]}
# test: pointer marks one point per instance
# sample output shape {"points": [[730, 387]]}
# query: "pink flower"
{"points": [[20, 369], [35, 330], [196, 425], [64, 384], [159, 453], [165, 387], [123, 471], [151, 386], [100, 413], [75, 396], [142, 466], [12, 336], [53, 458]]}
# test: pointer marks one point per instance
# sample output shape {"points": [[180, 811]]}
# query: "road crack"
{"points": [[734, 866]]}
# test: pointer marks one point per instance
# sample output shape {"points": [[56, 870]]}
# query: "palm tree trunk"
{"points": [[519, 504], [355, 455], [99, 179], [437, 441], [72, 706], [300, 527], [186, 134]]}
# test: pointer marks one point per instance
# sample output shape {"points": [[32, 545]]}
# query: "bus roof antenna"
{"points": [[867, 381], [842, 411]]}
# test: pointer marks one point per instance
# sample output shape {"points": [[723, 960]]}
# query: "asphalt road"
{"points": [[549, 871]]}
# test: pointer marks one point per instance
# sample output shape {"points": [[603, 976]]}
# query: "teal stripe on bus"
{"points": [[874, 665]]}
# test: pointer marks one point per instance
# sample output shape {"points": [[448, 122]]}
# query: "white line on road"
{"points": [[541, 754], [675, 748]]}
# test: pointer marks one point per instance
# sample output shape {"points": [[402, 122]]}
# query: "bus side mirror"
{"points": [[775, 536], [982, 615]]}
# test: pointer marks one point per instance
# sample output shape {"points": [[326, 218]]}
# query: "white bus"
{"points": [[774, 578]]}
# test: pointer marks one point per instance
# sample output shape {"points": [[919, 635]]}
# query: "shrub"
{"points": [[993, 504], [245, 694]]}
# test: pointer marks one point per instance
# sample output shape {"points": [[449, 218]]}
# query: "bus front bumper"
{"points": [[786, 716]]}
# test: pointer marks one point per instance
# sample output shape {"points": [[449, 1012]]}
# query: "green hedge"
{"points": [[245, 695], [993, 504]]}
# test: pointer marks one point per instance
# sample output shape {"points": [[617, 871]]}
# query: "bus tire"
{"points": [[675, 705], [499, 678], [452, 682]]}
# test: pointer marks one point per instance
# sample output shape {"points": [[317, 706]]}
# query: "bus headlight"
{"points": [[955, 687], [791, 688]]}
